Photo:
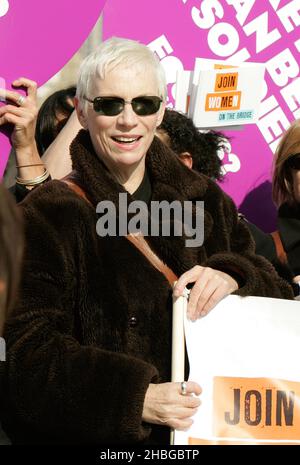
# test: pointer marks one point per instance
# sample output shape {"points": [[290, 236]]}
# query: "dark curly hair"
{"points": [[185, 137]]}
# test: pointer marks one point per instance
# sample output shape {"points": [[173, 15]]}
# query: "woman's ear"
{"points": [[80, 113], [187, 159], [160, 114]]}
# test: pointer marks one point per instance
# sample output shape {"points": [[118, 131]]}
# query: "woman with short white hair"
{"points": [[89, 343]]}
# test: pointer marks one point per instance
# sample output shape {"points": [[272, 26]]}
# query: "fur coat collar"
{"points": [[163, 166], [170, 180]]}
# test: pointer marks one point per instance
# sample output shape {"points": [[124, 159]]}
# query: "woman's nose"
{"points": [[128, 117]]}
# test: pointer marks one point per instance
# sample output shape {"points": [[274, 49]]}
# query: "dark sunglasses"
{"points": [[112, 106], [294, 162]]}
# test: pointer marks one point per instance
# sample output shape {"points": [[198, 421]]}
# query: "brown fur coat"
{"points": [[93, 325]]}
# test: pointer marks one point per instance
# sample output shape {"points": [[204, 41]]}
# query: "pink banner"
{"points": [[38, 38], [257, 31]]}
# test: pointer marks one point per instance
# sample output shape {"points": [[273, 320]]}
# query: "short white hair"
{"points": [[116, 52]]}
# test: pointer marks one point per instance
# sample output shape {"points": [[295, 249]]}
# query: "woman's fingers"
{"points": [[186, 278], [18, 116], [212, 300], [191, 388], [181, 414], [181, 424], [24, 120], [164, 403], [198, 295], [8, 118], [14, 96], [17, 111], [210, 286], [214, 288], [29, 84]]}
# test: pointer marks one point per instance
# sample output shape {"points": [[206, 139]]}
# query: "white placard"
{"points": [[245, 356]]}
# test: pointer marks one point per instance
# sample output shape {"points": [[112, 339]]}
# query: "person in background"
{"points": [[11, 248], [34, 131], [197, 150], [57, 155], [286, 195], [21, 112], [52, 117]]}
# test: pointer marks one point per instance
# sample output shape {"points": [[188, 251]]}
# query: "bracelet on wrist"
{"points": [[33, 182], [28, 166]]}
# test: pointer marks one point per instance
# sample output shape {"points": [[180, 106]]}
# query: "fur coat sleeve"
{"points": [[255, 274]]}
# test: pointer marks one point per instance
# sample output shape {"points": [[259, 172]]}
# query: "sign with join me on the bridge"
{"points": [[218, 94]]}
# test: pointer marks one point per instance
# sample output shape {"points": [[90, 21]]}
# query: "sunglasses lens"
{"points": [[112, 106], [144, 106], [108, 106]]}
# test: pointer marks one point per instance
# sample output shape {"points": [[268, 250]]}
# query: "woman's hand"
{"points": [[165, 405], [22, 116], [210, 287]]}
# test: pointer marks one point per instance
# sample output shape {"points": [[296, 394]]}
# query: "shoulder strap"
{"points": [[137, 240], [280, 252], [140, 243], [70, 180]]}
